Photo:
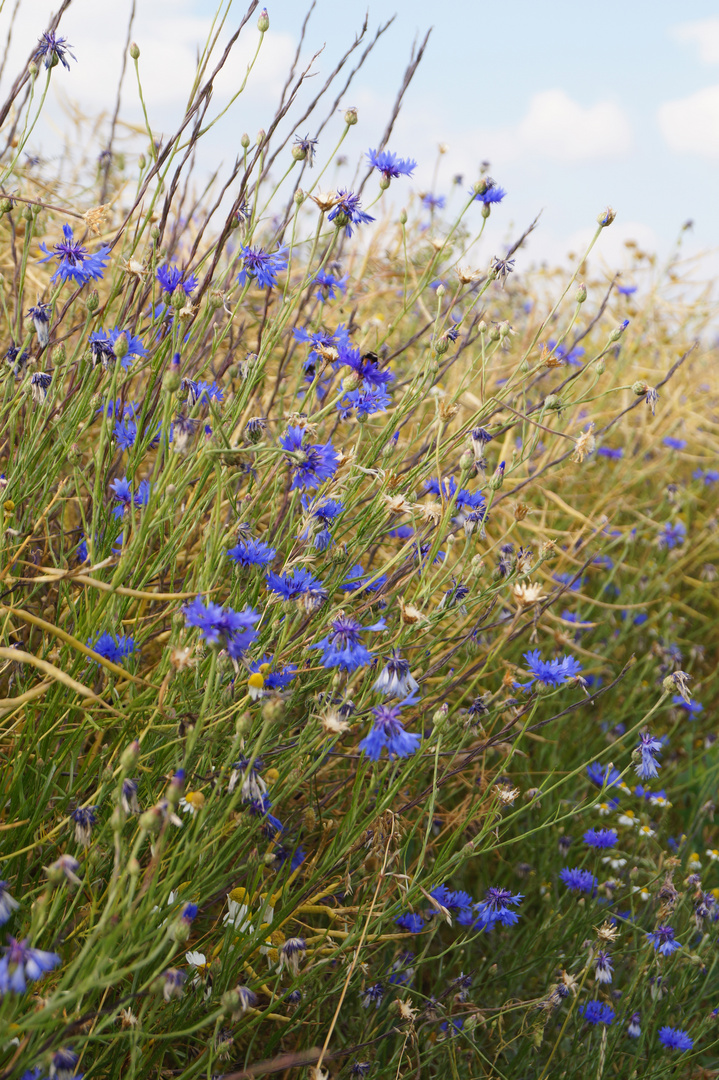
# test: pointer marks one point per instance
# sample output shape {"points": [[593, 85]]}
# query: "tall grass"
{"points": [[350, 585]]}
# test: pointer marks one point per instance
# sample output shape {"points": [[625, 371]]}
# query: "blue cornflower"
{"points": [[388, 731], [261, 807], [615, 453], [372, 995], [390, 165], [123, 493], [63, 1065], [395, 678], [171, 276], [495, 908], [634, 1027], [356, 579], [125, 433], [51, 51], [189, 913], [401, 972], [347, 212], [604, 967], [366, 366], [321, 341], [343, 646], [674, 444], [307, 148], [663, 940], [675, 1038], [325, 513], [365, 400], [709, 476], [410, 921], [8, 903], [74, 261], [672, 536], [603, 775], [433, 202], [252, 552], [573, 357], [600, 838], [17, 360], [40, 315], [578, 880], [596, 1012], [550, 672], [215, 622], [313, 463], [296, 857], [202, 392], [492, 192], [115, 649], [85, 818], [330, 286], [647, 767], [626, 290], [261, 266], [692, 707], [300, 584], [22, 964], [102, 347], [274, 680]]}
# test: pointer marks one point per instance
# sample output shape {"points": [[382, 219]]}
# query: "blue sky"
{"points": [[576, 107]]}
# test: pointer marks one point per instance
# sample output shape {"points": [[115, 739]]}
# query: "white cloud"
{"points": [[557, 127], [691, 124], [704, 33]]}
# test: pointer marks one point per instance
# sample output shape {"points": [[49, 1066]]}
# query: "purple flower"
{"points": [[492, 192], [202, 392], [22, 964], [600, 838], [663, 940], [343, 646], [433, 202], [171, 276], [274, 680], [123, 493], [372, 995], [215, 622], [647, 767], [495, 908], [634, 1028], [578, 880], [550, 672], [74, 261], [366, 366], [692, 707], [675, 1038], [313, 463], [299, 584], [252, 553], [390, 165], [115, 649], [365, 401], [51, 51], [8, 903], [63, 1065], [411, 922], [330, 286], [604, 968], [388, 732], [603, 776], [596, 1012], [672, 536], [674, 444], [395, 678], [347, 212], [261, 266]]}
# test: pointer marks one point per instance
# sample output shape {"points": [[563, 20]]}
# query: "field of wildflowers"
{"points": [[359, 627]]}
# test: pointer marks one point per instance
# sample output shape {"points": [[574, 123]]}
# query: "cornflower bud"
{"points": [[32, 69], [466, 461], [130, 756], [553, 402], [178, 298], [135, 51], [299, 197], [606, 217], [351, 117], [402, 216], [494, 334], [600, 366], [27, 213], [5, 206], [92, 302], [617, 333], [141, 162], [581, 294], [263, 23], [496, 481], [384, 183], [58, 355], [245, 141], [121, 346], [261, 136]]}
